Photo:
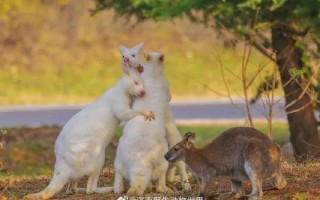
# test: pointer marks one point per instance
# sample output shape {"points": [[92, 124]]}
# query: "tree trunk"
{"points": [[302, 122]]}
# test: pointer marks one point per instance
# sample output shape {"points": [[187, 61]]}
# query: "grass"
{"points": [[192, 78], [28, 157]]}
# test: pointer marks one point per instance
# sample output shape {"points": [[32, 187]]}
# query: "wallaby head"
{"points": [[132, 56], [131, 81], [156, 60], [178, 151]]}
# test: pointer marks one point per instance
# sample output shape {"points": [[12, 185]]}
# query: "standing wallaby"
{"points": [[141, 148], [172, 133], [241, 153], [80, 146]]}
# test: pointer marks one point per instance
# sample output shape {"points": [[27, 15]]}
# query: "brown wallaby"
{"points": [[241, 153]]}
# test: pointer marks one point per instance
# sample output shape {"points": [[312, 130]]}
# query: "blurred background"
{"points": [[55, 52]]}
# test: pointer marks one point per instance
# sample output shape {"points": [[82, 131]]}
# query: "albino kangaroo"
{"points": [[80, 147], [133, 55], [241, 153], [141, 148], [173, 134]]}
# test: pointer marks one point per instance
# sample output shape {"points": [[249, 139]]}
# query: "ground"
{"points": [[303, 183], [36, 158]]}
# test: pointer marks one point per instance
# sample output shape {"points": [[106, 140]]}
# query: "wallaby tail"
{"points": [[58, 181]]}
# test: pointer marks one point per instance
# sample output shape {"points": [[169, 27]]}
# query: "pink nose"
{"points": [[142, 93], [125, 59]]}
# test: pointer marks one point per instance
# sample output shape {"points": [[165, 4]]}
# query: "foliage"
{"points": [[238, 17]]}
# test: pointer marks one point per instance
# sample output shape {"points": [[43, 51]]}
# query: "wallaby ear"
{"points": [[122, 49], [161, 58], [138, 47], [147, 56], [125, 68], [190, 138], [189, 134]]}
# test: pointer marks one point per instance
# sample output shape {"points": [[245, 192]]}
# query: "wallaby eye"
{"points": [[136, 83], [133, 55], [122, 56], [176, 149]]}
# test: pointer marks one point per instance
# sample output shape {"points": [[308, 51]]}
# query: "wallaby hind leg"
{"points": [[73, 187], [253, 168], [161, 184], [70, 187], [92, 185], [170, 176], [237, 188], [89, 184], [118, 186], [181, 166], [139, 182], [256, 182]]}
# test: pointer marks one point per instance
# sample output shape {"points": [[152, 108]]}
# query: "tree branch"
{"points": [[261, 48]]}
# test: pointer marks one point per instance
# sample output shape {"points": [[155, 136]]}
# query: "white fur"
{"points": [[133, 54], [140, 154], [173, 134], [80, 147]]}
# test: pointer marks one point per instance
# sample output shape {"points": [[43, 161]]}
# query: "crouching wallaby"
{"points": [[241, 153], [80, 147]]}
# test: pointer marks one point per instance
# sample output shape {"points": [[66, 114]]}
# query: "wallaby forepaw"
{"points": [[149, 116]]}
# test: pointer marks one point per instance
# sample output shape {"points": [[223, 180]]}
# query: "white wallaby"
{"points": [[140, 152], [173, 134], [80, 147], [133, 55]]}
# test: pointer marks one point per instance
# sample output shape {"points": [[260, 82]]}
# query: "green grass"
{"points": [[205, 134], [33, 155], [190, 77]]}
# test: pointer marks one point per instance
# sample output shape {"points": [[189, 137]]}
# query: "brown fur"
{"points": [[241, 153]]}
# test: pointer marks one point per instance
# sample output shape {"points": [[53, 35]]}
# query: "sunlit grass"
{"points": [[192, 76], [205, 134]]}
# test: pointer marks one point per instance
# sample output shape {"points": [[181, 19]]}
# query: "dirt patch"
{"points": [[303, 183], [30, 148]]}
